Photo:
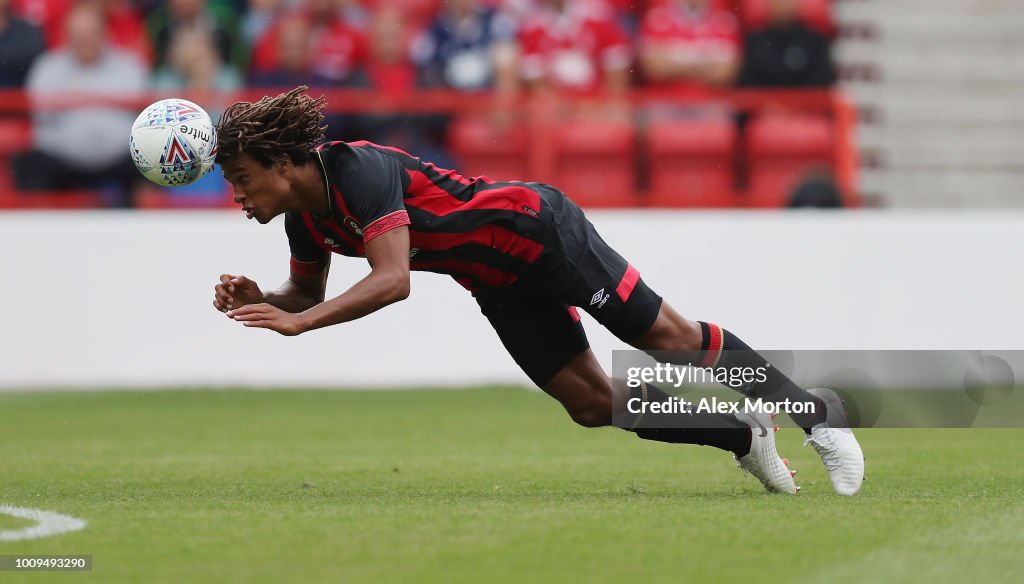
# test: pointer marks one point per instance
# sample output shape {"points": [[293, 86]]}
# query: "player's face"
{"points": [[262, 192]]}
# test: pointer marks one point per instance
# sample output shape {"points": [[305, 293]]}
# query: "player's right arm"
{"points": [[233, 291], [305, 287], [307, 281]]}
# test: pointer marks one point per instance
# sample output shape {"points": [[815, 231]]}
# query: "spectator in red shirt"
{"points": [[389, 67], [574, 44], [338, 49], [690, 43], [294, 52]]}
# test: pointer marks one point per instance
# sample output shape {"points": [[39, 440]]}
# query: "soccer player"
{"points": [[526, 252]]}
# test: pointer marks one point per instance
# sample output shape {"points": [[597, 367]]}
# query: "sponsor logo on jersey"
{"points": [[352, 225], [599, 298]]}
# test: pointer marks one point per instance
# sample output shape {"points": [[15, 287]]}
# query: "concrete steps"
{"points": [[942, 98]]}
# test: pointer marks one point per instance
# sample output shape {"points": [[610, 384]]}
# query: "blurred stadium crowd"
{"points": [[618, 102]]}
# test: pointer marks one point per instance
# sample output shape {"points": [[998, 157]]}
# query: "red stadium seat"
{"points": [[15, 135], [781, 151], [11, 199], [816, 14], [6, 176], [691, 163], [594, 162], [484, 149]]}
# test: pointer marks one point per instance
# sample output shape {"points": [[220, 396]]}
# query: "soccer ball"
{"points": [[173, 142]]}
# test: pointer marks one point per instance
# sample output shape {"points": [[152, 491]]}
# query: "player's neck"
{"points": [[311, 189]]}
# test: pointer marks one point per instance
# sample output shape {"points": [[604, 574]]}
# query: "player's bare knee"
{"points": [[593, 414], [592, 409]]}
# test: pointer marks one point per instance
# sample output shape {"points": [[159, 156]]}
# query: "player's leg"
{"points": [[626, 306], [589, 274], [709, 345], [592, 399], [547, 340], [599, 280]]}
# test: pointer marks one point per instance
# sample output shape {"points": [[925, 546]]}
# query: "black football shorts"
{"points": [[536, 318]]}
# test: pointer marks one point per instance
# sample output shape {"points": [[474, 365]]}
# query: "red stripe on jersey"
{"points": [[488, 276], [715, 342], [319, 238], [313, 232], [493, 236], [340, 201], [628, 282], [574, 314], [305, 268], [384, 224], [452, 175], [437, 201]]}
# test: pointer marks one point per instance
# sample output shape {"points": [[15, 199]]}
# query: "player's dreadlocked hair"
{"points": [[274, 129]]}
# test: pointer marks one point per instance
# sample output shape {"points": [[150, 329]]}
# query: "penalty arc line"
{"points": [[47, 523]]}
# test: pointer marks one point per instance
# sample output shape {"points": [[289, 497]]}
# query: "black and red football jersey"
{"points": [[484, 234]]}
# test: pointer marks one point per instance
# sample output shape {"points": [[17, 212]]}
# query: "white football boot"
{"points": [[836, 445], [763, 460]]}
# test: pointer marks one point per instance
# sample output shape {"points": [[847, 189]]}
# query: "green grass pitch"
{"points": [[489, 485]]}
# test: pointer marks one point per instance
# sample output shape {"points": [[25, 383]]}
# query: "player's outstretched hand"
{"points": [[235, 292], [269, 317]]}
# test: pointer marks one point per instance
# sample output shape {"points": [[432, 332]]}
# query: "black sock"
{"points": [[721, 431], [721, 348]]}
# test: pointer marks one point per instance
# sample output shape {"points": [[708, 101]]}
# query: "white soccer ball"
{"points": [[173, 142]]}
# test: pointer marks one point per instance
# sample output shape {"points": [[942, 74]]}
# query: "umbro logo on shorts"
{"points": [[599, 298]]}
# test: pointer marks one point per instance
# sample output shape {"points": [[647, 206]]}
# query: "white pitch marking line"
{"points": [[47, 523]]}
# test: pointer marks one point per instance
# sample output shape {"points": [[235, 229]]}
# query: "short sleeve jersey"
{"points": [[485, 234]]}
